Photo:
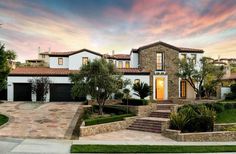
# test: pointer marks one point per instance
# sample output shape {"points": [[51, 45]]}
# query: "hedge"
{"points": [[135, 102], [102, 120]]}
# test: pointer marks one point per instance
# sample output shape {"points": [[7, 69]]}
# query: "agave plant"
{"points": [[141, 90]]}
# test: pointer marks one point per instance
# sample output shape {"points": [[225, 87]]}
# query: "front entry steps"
{"points": [[156, 121], [160, 114], [148, 124]]}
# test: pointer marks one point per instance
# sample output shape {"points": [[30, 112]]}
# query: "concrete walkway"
{"points": [[53, 146]]}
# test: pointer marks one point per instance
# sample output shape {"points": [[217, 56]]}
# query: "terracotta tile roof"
{"points": [[121, 56], [37, 71], [69, 53], [118, 56], [182, 49], [229, 77], [46, 71], [133, 71]]}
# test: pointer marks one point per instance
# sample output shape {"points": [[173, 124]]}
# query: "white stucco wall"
{"points": [[53, 62], [134, 60], [224, 91], [25, 79], [142, 78], [75, 61]]}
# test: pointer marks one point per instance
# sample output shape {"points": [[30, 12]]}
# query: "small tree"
{"points": [[98, 79], [5, 57], [142, 89], [126, 96], [193, 75], [40, 87]]}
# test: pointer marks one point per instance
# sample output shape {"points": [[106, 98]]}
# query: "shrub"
{"points": [[233, 88], [141, 90], [135, 102], [193, 118], [230, 96], [109, 109], [229, 106], [218, 107], [106, 119], [118, 95]]}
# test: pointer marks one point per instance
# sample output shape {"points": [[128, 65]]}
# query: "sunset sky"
{"points": [[120, 25]]}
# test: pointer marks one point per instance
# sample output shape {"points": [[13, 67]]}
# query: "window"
{"points": [[84, 60], [127, 64], [183, 56], [136, 81], [120, 64], [160, 62], [60, 61], [194, 58], [43, 56], [183, 89]]}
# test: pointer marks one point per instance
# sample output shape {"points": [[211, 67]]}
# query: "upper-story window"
{"points": [[160, 61], [183, 56], [194, 58], [120, 64], [84, 60], [60, 61], [127, 64], [43, 56]]}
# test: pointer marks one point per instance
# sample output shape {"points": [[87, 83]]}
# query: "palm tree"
{"points": [[141, 89]]}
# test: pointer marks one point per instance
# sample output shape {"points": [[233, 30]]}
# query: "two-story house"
{"points": [[153, 64]]}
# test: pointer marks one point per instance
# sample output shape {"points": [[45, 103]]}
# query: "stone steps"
{"points": [[154, 122], [161, 113]]}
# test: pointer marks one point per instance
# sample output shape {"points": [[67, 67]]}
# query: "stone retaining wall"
{"points": [[144, 110], [107, 127], [200, 137], [223, 126]]}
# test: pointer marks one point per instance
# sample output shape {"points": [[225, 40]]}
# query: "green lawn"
{"points": [[149, 149], [227, 116], [3, 119]]}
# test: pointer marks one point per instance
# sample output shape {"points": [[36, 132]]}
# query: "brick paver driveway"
{"points": [[32, 120]]}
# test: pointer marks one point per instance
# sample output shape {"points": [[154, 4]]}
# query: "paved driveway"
{"points": [[32, 120]]}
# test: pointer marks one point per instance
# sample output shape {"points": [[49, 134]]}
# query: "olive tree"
{"points": [[99, 79]]}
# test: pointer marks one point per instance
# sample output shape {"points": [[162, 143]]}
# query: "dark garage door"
{"points": [[62, 92], [3, 94], [22, 92]]}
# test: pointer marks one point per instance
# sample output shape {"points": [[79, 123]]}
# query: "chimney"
{"points": [[113, 52], [49, 50], [218, 57], [39, 50]]}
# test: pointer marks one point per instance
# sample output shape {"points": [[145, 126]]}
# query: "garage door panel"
{"points": [[60, 92], [22, 92]]}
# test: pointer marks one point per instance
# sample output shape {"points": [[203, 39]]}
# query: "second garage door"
{"points": [[61, 93]]}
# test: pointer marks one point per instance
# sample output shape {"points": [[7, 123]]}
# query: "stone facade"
{"points": [[201, 136], [148, 61], [224, 126], [143, 111], [107, 127]]}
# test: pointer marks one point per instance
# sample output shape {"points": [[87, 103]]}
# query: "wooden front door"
{"points": [[160, 88]]}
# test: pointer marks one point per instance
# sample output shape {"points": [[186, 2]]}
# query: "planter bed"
{"points": [[3, 119]]}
